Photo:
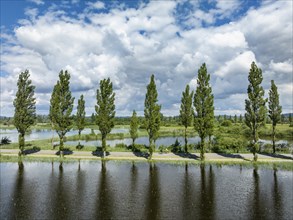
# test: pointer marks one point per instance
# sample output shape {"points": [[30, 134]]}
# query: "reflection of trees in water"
{"points": [[260, 207], [133, 181], [104, 198], [207, 194], [22, 196], [277, 197], [60, 204], [153, 194], [189, 197], [79, 193]]}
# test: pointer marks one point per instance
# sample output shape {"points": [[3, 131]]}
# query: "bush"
{"points": [[228, 144], [176, 147], [5, 140], [121, 146], [163, 149], [79, 146], [226, 123]]}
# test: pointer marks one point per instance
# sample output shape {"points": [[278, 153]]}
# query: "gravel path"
{"points": [[156, 156]]}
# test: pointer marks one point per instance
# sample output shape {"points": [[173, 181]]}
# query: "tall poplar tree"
{"points": [[275, 110], [186, 111], [105, 110], [255, 106], [61, 107], [152, 114], [25, 107], [133, 128], [204, 108], [80, 117]]}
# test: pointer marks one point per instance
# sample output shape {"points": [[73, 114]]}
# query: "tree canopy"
{"points": [[25, 107], [152, 113], [204, 107]]}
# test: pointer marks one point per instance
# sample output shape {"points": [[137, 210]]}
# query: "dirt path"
{"points": [[156, 156]]}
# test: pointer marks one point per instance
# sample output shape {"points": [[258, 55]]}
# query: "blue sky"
{"points": [[130, 40]]}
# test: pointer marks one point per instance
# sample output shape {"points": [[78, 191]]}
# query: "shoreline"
{"points": [[136, 156]]}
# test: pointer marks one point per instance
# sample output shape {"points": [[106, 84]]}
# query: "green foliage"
{"points": [[204, 107], [186, 111], [133, 127], [152, 113], [80, 115], [275, 110], [61, 107], [5, 140], [105, 109], [229, 144], [226, 123], [176, 147], [255, 105], [25, 106]]}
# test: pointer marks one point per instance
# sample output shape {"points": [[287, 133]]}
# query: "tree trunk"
{"points": [[52, 140], [21, 144], [202, 149], [61, 145], [185, 136], [133, 140], [274, 139], [79, 132], [151, 149], [104, 145], [255, 145]]}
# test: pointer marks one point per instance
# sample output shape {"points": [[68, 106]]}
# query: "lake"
{"points": [[165, 141], [39, 134], [122, 190]]}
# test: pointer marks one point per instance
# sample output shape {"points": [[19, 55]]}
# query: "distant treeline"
{"points": [[165, 120]]}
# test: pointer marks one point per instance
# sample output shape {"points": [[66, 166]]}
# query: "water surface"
{"points": [[122, 190]]}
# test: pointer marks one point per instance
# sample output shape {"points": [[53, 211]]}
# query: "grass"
{"points": [[247, 164]]}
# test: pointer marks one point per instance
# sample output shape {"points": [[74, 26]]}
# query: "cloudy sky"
{"points": [[130, 40]]}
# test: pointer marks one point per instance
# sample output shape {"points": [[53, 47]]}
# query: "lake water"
{"points": [[122, 190], [166, 141], [39, 134]]}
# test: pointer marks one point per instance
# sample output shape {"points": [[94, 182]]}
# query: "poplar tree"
{"points": [[186, 111], [152, 114], [204, 107], [133, 128], [275, 110], [255, 106], [25, 109], [240, 118], [105, 110], [80, 117], [61, 107]]}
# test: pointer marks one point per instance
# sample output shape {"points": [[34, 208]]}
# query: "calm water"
{"points": [[166, 141], [39, 134], [141, 191]]}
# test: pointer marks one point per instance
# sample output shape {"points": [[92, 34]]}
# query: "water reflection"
{"points": [[21, 198], [109, 190], [277, 197], [189, 195], [60, 205], [152, 208], [207, 194], [104, 196]]}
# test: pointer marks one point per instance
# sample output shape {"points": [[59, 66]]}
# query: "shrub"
{"points": [[226, 123], [228, 144], [79, 146], [5, 140], [163, 149], [176, 147], [121, 146]]}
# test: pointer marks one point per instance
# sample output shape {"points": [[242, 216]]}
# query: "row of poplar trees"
{"points": [[198, 105]]}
